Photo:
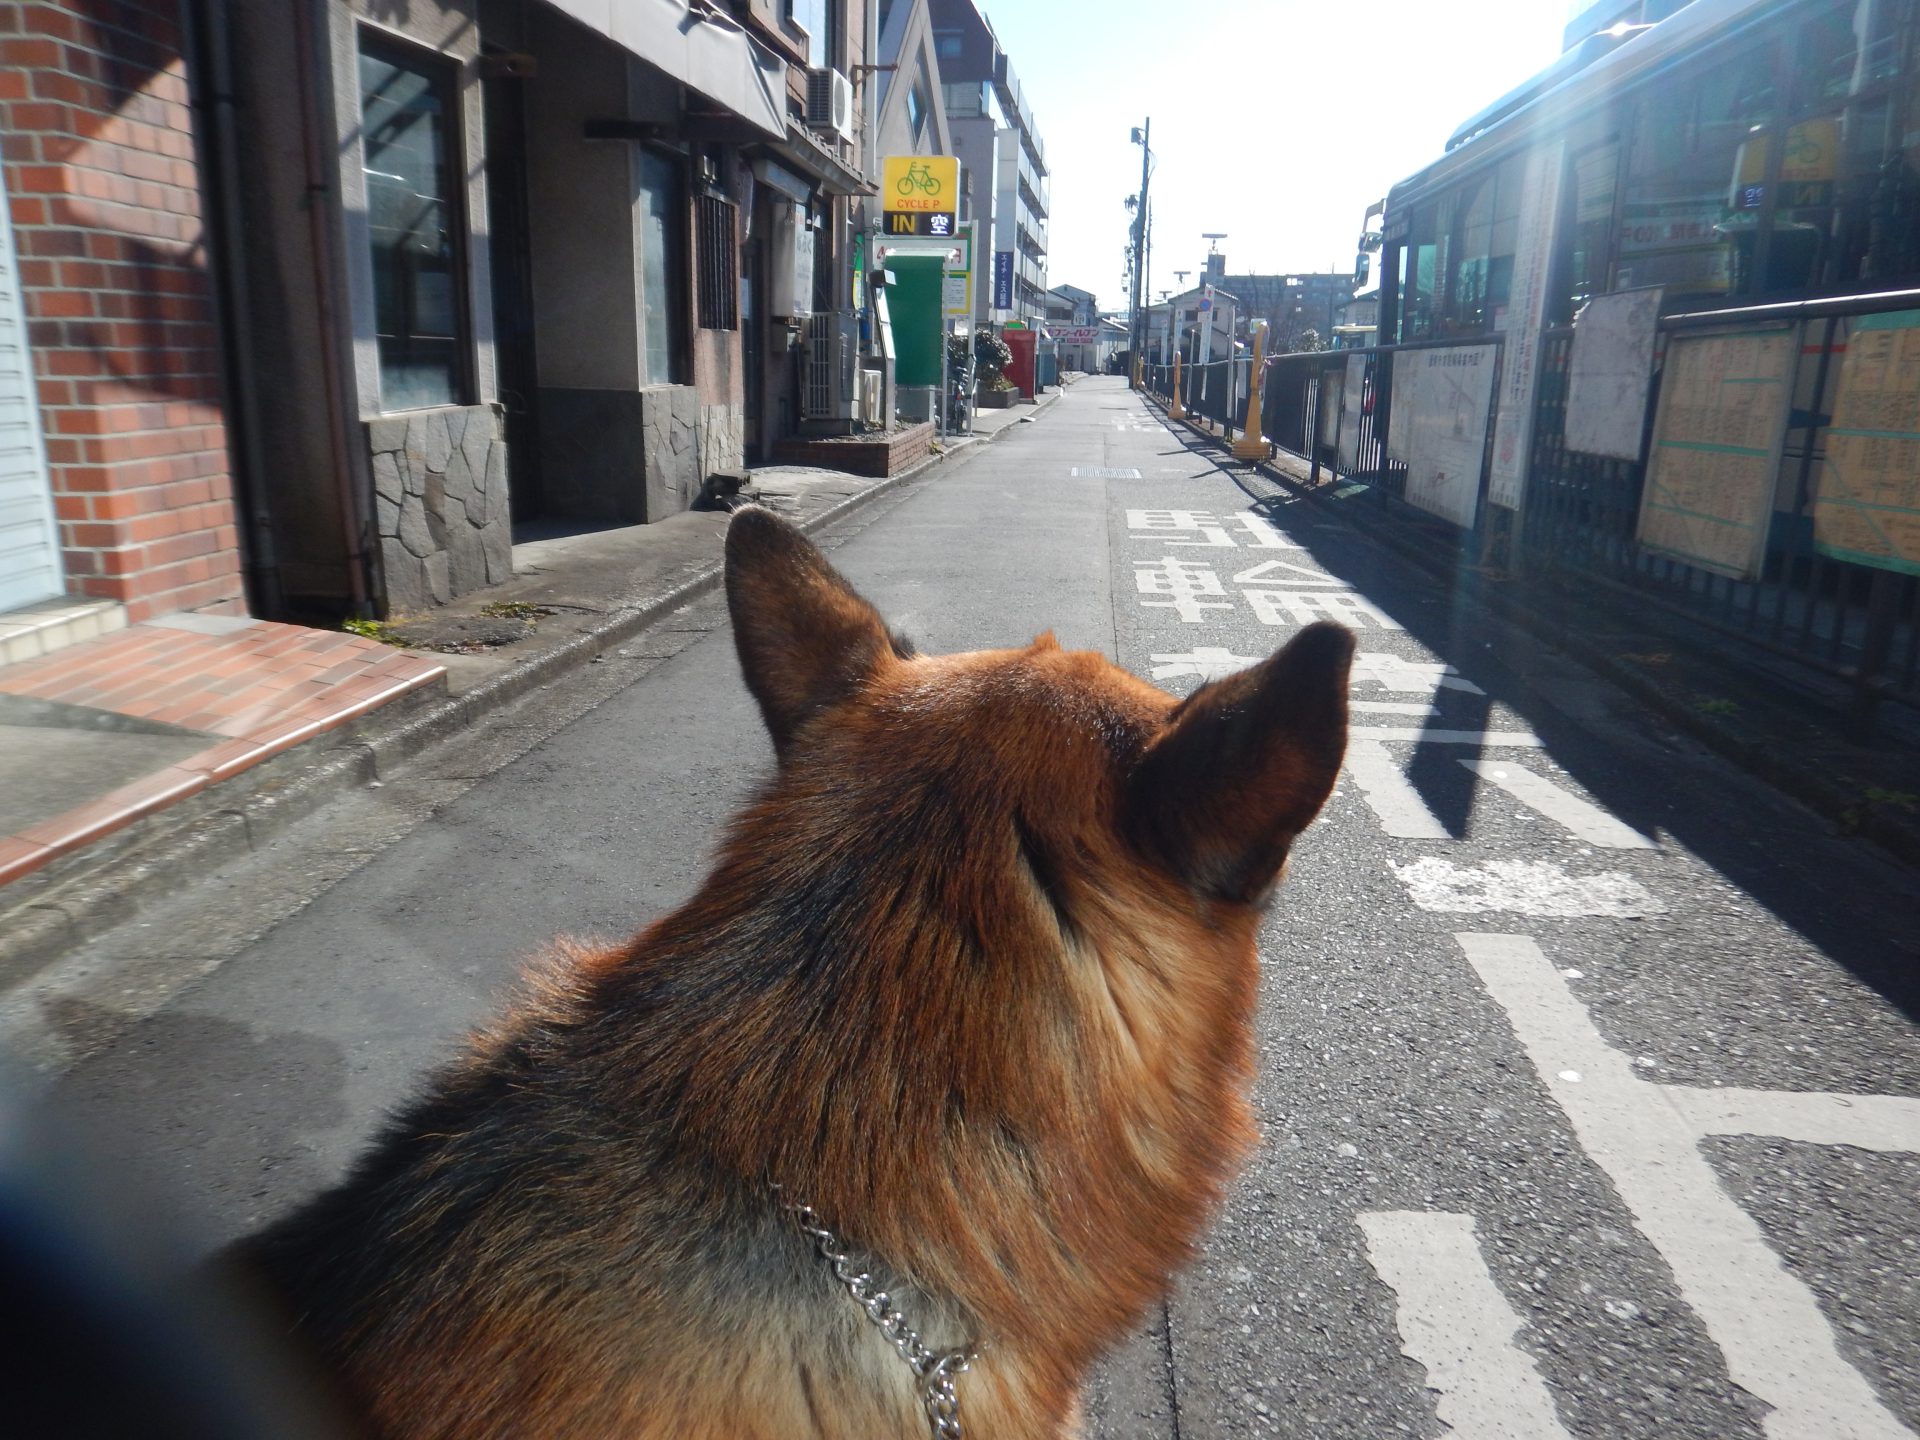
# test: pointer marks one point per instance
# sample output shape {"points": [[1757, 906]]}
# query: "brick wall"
{"points": [[99, 154]]}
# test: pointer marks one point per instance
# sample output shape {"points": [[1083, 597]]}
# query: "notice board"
{"points": [[1867, 506], [1609, 372], [1352, 406], [1444, 430], [1716, 448]]}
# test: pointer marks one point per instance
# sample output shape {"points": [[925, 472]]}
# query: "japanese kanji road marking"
{"points": [[1777, 1344], [1454, 1321], [1583, 819], [1303, 607], [1408, 677], [1191, 589], [1205, 662], [1284, 572]]}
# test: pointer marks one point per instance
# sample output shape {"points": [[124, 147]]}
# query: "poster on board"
{"points": [[1526, 314], [1406, 400], [1445, 431], [1352, 399], [1610, 371], [1716, 448], [1867, 504]]}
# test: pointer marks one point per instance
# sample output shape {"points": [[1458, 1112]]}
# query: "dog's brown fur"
{"points": [[973, 977]]}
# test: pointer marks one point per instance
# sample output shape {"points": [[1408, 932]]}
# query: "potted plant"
{"points": [[991, 356]]}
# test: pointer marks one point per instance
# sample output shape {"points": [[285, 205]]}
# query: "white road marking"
{"points": [[1284, 572], [1191, 587], [1383, 783], [1391, 707], [1208, 662], [1305, 607], [1586, 821], [1522, 887], [1408, 677], [1263, 533], [1454, 1321], [1445, 737], [1778, 1346], [1889, 1123]]}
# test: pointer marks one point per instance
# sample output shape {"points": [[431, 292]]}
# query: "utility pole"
{"points": [[1142, 137]]}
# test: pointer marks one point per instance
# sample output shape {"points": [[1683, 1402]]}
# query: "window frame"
{"points": [[444, 72]]}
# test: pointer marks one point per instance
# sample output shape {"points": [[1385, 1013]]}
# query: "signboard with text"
{"points": [[920, 195], [1003, 279]]}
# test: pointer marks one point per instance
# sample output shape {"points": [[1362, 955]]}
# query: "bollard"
{"points": [[1252, 445], [1177, 410]]}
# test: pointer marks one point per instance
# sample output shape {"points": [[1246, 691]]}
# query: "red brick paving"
{"points": [[264, 689]]}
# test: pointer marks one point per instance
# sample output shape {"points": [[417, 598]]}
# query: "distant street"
{"points": [[1590, 1098]]}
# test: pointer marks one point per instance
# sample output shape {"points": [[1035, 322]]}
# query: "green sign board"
{"points": [[914, 301]]}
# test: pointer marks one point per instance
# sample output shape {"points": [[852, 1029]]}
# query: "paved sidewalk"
{"points": [[133, 760]]}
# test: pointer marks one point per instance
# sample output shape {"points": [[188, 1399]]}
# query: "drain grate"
{"points": [[1103, 472]]}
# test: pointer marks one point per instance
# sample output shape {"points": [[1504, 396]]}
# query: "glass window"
{"points": [[816, 18], [1690, 216], [1423, 266], [1847, 185], [662, 263], [1488, 231], [408, 111], [1586, 237]]}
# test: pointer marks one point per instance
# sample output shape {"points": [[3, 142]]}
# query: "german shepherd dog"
{"points": [[972, 982]]}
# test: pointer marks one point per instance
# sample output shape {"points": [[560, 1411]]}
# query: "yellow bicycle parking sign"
{"points": [[920, 194]]}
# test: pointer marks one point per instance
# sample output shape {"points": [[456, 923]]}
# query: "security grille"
{"points": [[718, 263]]}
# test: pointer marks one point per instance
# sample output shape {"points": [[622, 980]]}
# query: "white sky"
{"points": [[1277, 121]]}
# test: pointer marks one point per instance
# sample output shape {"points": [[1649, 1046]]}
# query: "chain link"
{"points": [[935, 1370]]}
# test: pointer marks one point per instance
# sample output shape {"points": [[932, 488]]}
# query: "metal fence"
{"points": [[1581, 513]]}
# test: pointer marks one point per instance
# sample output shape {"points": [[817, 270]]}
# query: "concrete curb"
{"points": [[110, 882], [1809, 787]]}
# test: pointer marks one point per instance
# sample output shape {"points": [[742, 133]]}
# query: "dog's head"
{"points": [[1056, 754]]}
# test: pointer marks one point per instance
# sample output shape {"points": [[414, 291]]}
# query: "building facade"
{"points": [[324, 297], [999, 144]]}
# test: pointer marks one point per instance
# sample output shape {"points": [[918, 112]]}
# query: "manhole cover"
{"points": [[1103, 472]]}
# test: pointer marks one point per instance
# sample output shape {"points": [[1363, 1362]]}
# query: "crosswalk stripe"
{"points": [[1454, 1321], [1445, 737], [1584, 820], [1777, 1343], [1402, 813]]}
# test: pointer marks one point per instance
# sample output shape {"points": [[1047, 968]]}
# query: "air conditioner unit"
{"points": [[830, 103], [827, 390]]}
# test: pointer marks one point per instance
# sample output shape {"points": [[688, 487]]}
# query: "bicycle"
{"points": [[921, 178]]}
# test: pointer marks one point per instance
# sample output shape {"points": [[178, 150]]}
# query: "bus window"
{"points": [[1423, 269], [1488, 231], [1848, 181], [1683, 225], [1586, 238]]}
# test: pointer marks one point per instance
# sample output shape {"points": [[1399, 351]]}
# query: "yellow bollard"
{"points": [[1252, 445], [1176, 410]]}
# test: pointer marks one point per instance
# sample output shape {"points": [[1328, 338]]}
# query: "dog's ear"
{"points": [[1242, 767], [806, 638]]}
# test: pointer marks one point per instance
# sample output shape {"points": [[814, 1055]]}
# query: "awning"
{"points": [[701, 48], [802, 152]]}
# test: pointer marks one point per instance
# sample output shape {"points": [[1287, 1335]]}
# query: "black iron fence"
{"points": [[1581, 513]]}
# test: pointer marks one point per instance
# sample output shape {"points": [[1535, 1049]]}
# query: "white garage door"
{"points": [[29, 548]]}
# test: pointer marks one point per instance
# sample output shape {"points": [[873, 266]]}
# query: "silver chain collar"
{"points": [[933, 1370]]}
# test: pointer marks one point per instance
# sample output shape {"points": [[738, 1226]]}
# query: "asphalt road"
{"points": [[1589, 1077]]}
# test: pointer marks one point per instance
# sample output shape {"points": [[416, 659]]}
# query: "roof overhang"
{"points": [[702, 49], [798, 150]]}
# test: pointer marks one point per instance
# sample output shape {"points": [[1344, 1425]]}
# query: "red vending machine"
{"points": [[1023, 343]]}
